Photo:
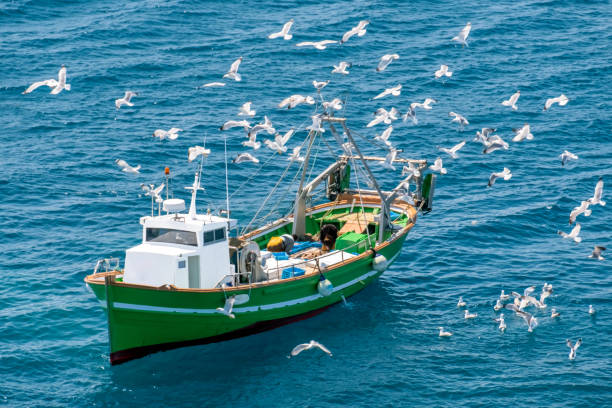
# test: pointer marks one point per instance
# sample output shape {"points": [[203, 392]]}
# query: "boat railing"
{"points": [[109, 264]]}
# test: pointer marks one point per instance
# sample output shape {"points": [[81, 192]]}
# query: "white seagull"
{"points": [[213, 84], [196, 151], [245, 110], [567, 156], [125, 100], [245, 157], [461, 120], [468, 315], [388, 163], [233, 71], [307, 346], [591, 310], [573, 348], [153, 191], [444, 333], [503, 296], [384, 137], [284, 32], [597, 253], [554, 313], [410, 114], [319, 45], [411, 169], [506, 174], [227, 308], [316, 124], [461, 38], [385, 60], [512, 101], [522, 133], [171, 134], [335, 104], [320, 84], [235, 123], [295, 156], [280, 141], [126, 168], [498, 305], [582, 209], [443, 71], [266, 125], [395, 91], [461, 302], [494, 143], [294, 100], [425, 105], [57, 85], [359, 30], [437, 166], [596, 199], [562, 100], [572, 235], [531, 321], [502, 322], [383, 116], [341, 68], [453, 150]]}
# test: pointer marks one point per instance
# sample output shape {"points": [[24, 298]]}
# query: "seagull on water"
{"points": [[444, 333], [522, 133], [171, 134], [359, 30], [468, 315], [502, 322], [384, 137], [573, 348], [567, 156], [213, 84], [125, 100], [572, 235], [591, 310], [245, 110], [395, 91], [461, 302], [531, 321], [443, 71], [245, 157], [196, 151], [57, 85], [506, 174], [284, 32], [554, 313], [546, 292], [437, 166], [320, 84], [385, 60], [453, 150], [319, 45], [457, 118], [294, 100], [461, 38], [126, 168], [233, 71], [596, 199], [227, 308], [498, 305], [388, 163], [582, 209], [512, 101], [307, 346], [341, 68], [503, 296], [236, 123], [562, 100], [597, 253]]}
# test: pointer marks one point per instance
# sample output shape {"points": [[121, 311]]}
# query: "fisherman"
{"points": [[284, 243], [328, 236]]}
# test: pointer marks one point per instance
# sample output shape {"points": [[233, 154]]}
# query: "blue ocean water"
{"points": [[65, 203]]}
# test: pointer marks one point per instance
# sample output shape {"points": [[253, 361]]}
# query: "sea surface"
{"points": [[64, 203]]}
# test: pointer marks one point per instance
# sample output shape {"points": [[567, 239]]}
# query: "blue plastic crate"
{"points": [[292, 272]]}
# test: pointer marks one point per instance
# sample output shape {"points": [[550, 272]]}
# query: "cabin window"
{"points": [[214, 236], [171, 236], [219, 234]]}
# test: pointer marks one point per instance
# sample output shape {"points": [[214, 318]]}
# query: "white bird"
{"points": [[444, 333], [425, 105], [502, 322], [171, 134], [284, 32], [506, 174], [245, 157], [319, 45], [503, 296], [307, 346], [227, 308], [359, 30], [461, 120], [233, 71], [383, 116], [196, 151], [295, 156], [582, 209], [443, 71], [213, 84], [61, 82], [125, 100], [388, 163], [494, 143], [498, 305], [512, 101], [235, 123], [483, 135], [411, 169], [275, 146], [531, 321], [437, 166], [452, 152], [280, 141], [266, 125], [245, 110], [126, 168], [522, 301], [596, 199], [385, 60], [153, 191], [252, 142], [320, 84], [335, 104], [547, 287], [316, 124], [597, 253], [294, 100], [469, 315], [591, 310], [410, 114], [461, 38], [567, 156], [573, 348], [545, 294], [562, 100], [522, 133], [461, 302], [572, 235], [341, 68], [395, 91], [384, 137], [554, 313]]}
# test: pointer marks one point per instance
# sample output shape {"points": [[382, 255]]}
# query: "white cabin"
{"points": [[184, 250]]}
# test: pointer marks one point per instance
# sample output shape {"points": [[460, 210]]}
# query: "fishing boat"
{"points": [[193, 281]]}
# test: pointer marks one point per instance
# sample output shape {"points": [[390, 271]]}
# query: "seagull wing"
{"points": [[235, 65], [299, 348], [322, 347], [49, 82]]}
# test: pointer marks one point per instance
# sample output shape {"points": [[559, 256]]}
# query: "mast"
{"points": [[299, 211]]}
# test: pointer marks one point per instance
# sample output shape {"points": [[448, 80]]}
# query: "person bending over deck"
{"points": [[284, 243]]}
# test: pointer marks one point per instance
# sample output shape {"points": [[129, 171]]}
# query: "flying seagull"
{"points": [[437, 166], [126, 168], [233, 71], [335, 104], [245, 157], [384, 137], [457, 118], [213, 84], [171, 134], [388, 163], [307, 346], [295, 100], [562, 100], [385, 60], [512, 101], [395, 91], [284, 32], [227, 308], [57, 85], [266, 125], [359, 30], [461, 38], [151, 190], [196, 151], [522, 133], [531, 321], [319, 45], [235, 123], [494, 143], [245, 110], [597, 250], [295, 156], [567, 156], [320, 84], [443, 71], [425, 105], [453, 150], [573, 348], [582, 209], [596, 199], [341, 68], [506, 174], [573, 234], [125, 100], [316, 124]]}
